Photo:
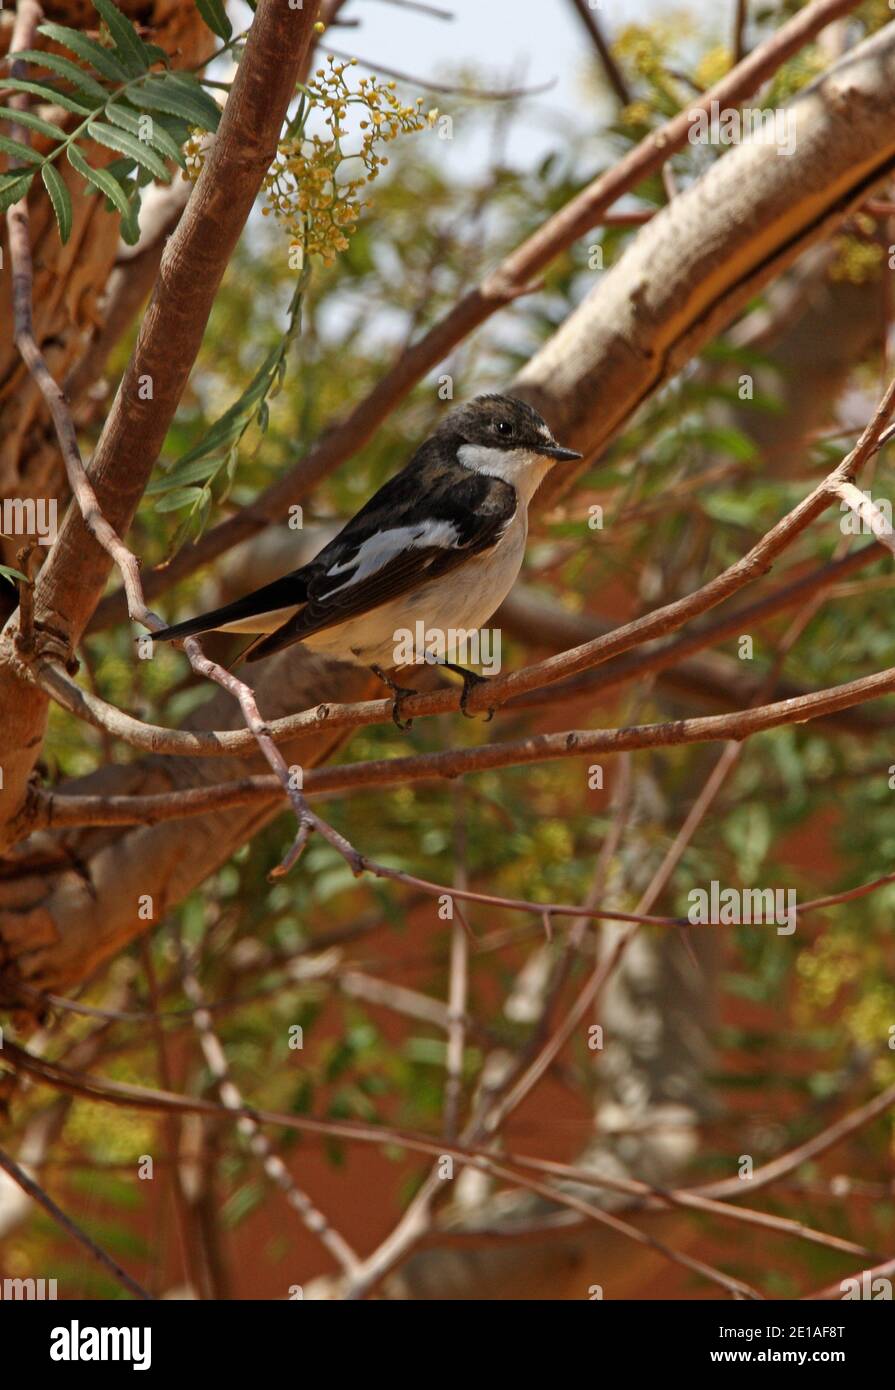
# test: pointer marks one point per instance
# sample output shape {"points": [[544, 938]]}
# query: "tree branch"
{"points": [[43, 1199], [55, 810], [506, 283], [195, 258], [598, 39]]}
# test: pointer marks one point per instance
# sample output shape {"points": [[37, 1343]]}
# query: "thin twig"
{"points": [[480, 1159], [868, 512], [118, 1093], [172, 1127], [607, 58], [260, 1145], [458, 976], [448, 88], [739, 30], [37, 1194]]}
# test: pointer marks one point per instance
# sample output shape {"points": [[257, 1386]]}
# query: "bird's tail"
{"points": [[205, 622], [287, 592]]}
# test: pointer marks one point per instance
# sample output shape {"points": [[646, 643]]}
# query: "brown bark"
{"points": [[196, 256], [69, 281], [697, 263], [62, 924]]}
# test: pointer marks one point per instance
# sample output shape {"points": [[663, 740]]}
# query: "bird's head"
{"points": [[505, 438]]}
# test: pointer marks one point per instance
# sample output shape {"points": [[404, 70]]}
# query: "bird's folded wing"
{"points": [[352, 576]]}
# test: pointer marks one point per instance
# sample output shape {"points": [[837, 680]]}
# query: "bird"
{"points": [[441, 543]]}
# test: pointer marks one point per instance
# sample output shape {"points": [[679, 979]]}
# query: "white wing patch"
{"points": [[378, 550]]}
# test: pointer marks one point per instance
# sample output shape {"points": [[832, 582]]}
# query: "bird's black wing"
{"points": [[419, 526]]}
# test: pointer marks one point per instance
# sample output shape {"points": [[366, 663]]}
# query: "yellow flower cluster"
{"points": [[646, 48], [305, 191], [857, 259], [712, 66], [636, 113], [824, 968]]}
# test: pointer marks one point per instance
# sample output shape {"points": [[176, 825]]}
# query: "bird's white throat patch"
{"points": [[520, 467]]}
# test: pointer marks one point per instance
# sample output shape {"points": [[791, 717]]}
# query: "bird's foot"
{"points": [[400, 692], [471, 681]]}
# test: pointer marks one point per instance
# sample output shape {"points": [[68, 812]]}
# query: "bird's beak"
{"points": [[555, 451]]}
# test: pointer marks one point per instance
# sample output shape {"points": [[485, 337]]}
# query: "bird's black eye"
{"points": [[504, 427]]}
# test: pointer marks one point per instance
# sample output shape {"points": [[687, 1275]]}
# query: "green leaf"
{"points": [[180, 497], [32, 122], [156, 54], [48, 94], [206, 461], [175, 126], [179, 97], [124, 117], [101, 179], [7, 572], [130, 221], [227, 428], [92, 52], [139, 150], [13, 187], [749, 833], [240, 1203], [728, 441], [128, 45], [117, 1238], [129, 175], [159, 138], [20, 151], [59, 197], [215, 16], [118, 1192], [79, 79], [121, 169], [199, 471], [165, 143]]}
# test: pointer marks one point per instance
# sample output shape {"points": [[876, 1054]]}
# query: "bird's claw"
{"points": [[400, 692], [470, 681]]}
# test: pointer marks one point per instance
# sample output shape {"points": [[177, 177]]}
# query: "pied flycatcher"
{"points": [[442, 542]]}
